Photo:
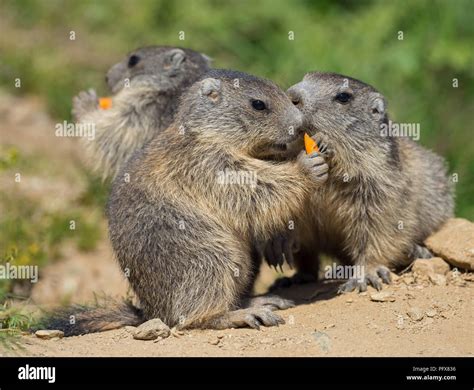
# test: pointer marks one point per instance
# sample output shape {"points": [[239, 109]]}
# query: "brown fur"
{"points": [[187, 241], [198, 275], [144, 102], [81, 319], [384, 194]]}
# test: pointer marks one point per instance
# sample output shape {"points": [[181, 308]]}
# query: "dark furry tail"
{"points": [[79, 319]]}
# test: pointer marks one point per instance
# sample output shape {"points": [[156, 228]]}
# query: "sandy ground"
{"points": [[322, 324]]}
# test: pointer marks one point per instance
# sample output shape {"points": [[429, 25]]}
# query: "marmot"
{"points": [[385, 194], [185, 226], [146, 86]]}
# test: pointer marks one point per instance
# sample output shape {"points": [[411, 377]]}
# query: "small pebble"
{"points": [[151, 330], [437, 279], [329, 326], [384, 296], [49, 334], [215, 341], [415, 313]]}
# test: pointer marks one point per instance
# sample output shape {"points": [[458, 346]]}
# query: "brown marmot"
{"points": [[146, 86], [385, 193], [185, 226]]}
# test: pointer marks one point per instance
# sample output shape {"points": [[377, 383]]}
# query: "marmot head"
{"points": [[168, 67], [346, 112], [239, 110]]}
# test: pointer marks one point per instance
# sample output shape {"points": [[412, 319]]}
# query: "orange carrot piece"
{"points": [[310, 145], [105, 103]]}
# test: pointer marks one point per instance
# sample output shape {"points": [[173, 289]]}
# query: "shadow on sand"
{"points": [[309, 292]]}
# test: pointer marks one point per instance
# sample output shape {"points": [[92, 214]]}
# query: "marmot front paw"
{"points": [[83, 103], [315, 164], [269, 301], [254, 317], [279, 250], [373, 277]]}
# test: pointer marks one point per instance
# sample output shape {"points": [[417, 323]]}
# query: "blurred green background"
{"points": [[356, 38]]}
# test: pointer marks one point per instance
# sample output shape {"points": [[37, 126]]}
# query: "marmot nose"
{"points": [[298, 123], [295, 97], [300, 129]]}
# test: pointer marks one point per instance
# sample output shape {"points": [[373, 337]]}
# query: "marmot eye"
{"points": [[258, 105], [343, 97], [133, 60]]}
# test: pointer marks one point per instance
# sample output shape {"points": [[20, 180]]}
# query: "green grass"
{"points": [[34, 235], [13, 322], [14, 318]]}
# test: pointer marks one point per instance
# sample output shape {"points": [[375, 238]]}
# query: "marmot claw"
{"points": [[371, 278]]}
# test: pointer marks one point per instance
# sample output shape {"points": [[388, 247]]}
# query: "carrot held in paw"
{"points": [[310, 144], [105, 103]]}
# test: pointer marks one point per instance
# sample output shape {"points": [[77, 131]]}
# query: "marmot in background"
{"points": [[146, 86], [385, 194], [197, 203]]}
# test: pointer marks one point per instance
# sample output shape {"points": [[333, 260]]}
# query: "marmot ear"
{"points": [[175, 58], [378, 106], [211, 88]]}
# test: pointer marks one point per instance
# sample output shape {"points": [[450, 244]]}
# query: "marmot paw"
{"points": [[420, 252], [83, 103], [254, 317], [371, 278], [278, 250], [326, 151], [273, 302], [315, 164]]}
